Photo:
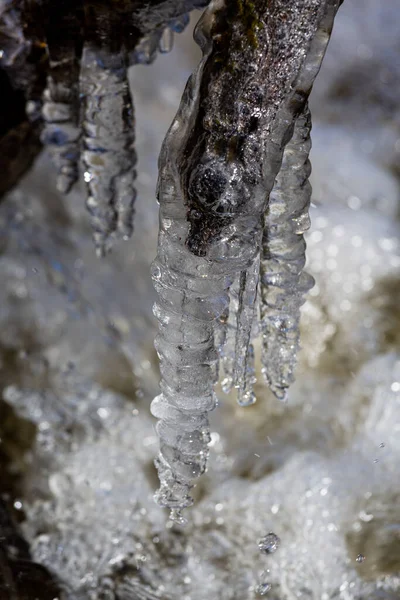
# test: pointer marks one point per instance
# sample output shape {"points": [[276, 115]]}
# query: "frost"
{"points": [[218, 165]]}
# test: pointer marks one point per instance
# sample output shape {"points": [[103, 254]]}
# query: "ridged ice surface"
{"points": [[85, 52], [283, 282], [60, 103], [320, 473], [217, 167], [61, 133], [108, 154]]}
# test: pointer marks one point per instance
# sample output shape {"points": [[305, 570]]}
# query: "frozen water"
{"points": [[305, 471], [263, 588], [269, 544], [108, 156], [218, 164], [283, 282]]}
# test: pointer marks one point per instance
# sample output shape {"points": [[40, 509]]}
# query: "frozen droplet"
{"points": [[263, 588], [381, 445], [360, 558], [176, 516], [269, 544]]}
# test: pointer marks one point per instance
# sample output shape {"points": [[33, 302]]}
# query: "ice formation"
{"points": [[60, 110], [86, 105], [218, 165], [283, 282], [320, 472]]}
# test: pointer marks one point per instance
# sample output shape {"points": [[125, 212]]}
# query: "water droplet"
{"points": [[263, 588], [360, 558], [269, 544], [176, 517]]}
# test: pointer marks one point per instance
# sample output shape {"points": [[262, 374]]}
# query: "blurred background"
{"points": [[78, 371]]}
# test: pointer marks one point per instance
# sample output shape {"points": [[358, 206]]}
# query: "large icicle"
{"points": [[283, 281], [217, 167]]}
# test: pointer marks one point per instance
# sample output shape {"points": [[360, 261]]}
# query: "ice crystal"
{"points": [[218, 165]]}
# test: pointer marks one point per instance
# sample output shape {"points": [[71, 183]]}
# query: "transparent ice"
{"points": [[306, 470], [220, 160]]}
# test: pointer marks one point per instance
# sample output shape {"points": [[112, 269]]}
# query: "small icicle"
{"points": [[166, 42], [237, 353], [61, 131], [108, 157], [244, 352], [60, 111], [228, 351], [283, 282]]}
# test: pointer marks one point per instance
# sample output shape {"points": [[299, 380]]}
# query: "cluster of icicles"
{"points": [[249, 281], [218, 289], [262, 300], [266, 298], [95, 119], [86, 108]]}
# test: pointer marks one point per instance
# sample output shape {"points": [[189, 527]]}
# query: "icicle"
{"points": [[61, 132], [60, 111], [244, 352], [229, 347], [14, 47], [283, 282], [218, 163], [167, 41], [237, 353], [108, 156]]}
